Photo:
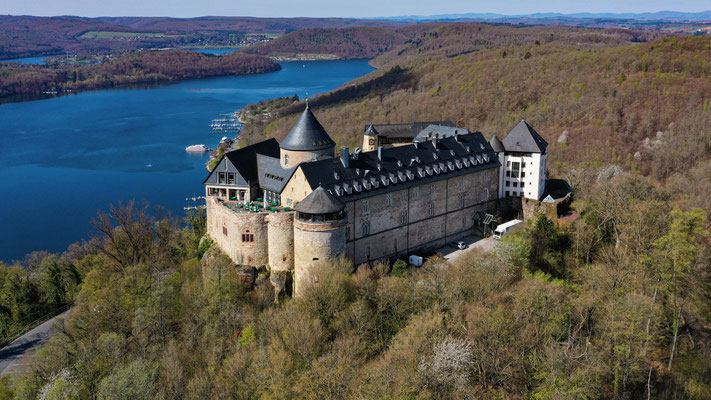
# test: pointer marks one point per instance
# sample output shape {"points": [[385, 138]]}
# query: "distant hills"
{"points": [[647, 16], [28, 36]]}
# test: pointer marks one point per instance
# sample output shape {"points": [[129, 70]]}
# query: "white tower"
{"points": [[523, 155]]}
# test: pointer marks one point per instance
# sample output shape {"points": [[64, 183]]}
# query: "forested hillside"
{"points": [[30, 80], [644, 106], [616, 305], [25, 36], [355, 42]]}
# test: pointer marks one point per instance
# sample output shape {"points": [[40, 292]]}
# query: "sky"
{"points": [[333, 8]]}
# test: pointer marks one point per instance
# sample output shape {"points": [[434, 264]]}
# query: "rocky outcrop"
{"points": [[216, 266]]}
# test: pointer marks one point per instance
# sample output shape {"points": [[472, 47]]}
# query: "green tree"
{"points": [[678, 254]]}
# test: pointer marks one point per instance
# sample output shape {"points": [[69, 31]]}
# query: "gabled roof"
{"points": [[271, 175], [307, 135], [405, 130], [556, 190], [496, 144], [245, 159], [439, 131], [320, 201], [400, 167], [371, 131], [524, 139]]}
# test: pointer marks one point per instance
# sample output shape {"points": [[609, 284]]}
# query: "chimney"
{"points": [[380, 153], [345, 157]]}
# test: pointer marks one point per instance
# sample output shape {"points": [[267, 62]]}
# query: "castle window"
{"points": [[286, 159], [508, 174], [224, 230], [221, 177], [230, 178], [366, 227], [523, 174], [485, 178], [508, 163], [522, 184], [248, 237], [485, 194], [508, 183], [388, 200], [515, 169], [441, 227], [430, 211], [416, 193], [515, 184], [348, 232], [461, 200], [523, 165], [366, 208], [403, 198], [507, 193], [403, 218], [461, 184], [432, 187]]}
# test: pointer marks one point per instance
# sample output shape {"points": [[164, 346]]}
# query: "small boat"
{"points": [[197, 148]]}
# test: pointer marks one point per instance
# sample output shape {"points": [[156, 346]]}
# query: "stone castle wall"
{"points": [[226, 227], [315, 243], [280, 228]]}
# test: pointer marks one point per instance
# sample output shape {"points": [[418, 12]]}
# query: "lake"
{"points": [[64, 159]]}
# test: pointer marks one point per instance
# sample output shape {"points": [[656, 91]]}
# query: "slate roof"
{"points": [[441, 131], [371, 131], [307, 135], [271, 175], [558, 189], [405, 130], [320, 201], [496, 144], [245, 159], [401, 166], [524, 139]]}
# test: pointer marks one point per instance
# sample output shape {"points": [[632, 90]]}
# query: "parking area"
{"points": [[451, 252]]}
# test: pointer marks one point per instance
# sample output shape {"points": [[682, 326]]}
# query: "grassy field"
{"points": [[111, 35]]}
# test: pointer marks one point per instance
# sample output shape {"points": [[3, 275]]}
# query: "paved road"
{"points": [[11, 356], [450, 252]]}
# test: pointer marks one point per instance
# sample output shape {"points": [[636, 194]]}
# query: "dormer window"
{"points": [[286, 159]]}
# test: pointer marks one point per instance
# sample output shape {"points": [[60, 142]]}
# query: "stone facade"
{"points": [[425, 216], [315, 243], [290, 158]]}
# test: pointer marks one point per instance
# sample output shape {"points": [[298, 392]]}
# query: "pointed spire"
{"points": [[307, 134]]}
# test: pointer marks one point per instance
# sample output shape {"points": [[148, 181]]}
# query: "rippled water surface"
{"points": [[63, 159]]}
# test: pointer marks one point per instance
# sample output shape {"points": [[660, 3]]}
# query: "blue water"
{"points": [[66, 158], [28, 60]]}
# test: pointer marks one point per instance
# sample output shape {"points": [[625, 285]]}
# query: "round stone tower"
{"points": [[319, 235], [281, 251], [306, 140]]}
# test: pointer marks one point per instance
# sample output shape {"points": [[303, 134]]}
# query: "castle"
{"points": [[293, 205]]}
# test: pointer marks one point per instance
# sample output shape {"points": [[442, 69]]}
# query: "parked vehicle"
{"points": [[507, 227], [416, 260], [461, 245]]}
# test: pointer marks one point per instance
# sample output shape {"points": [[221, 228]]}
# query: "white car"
{"points": [[461, 245]]}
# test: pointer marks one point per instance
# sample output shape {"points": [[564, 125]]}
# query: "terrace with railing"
{"points": [[257, 206]]}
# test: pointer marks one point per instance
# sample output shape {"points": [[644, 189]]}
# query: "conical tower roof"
{"points": [[371, 130], [496, 144], [307, 135], [320, 201], [523, 138]]}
